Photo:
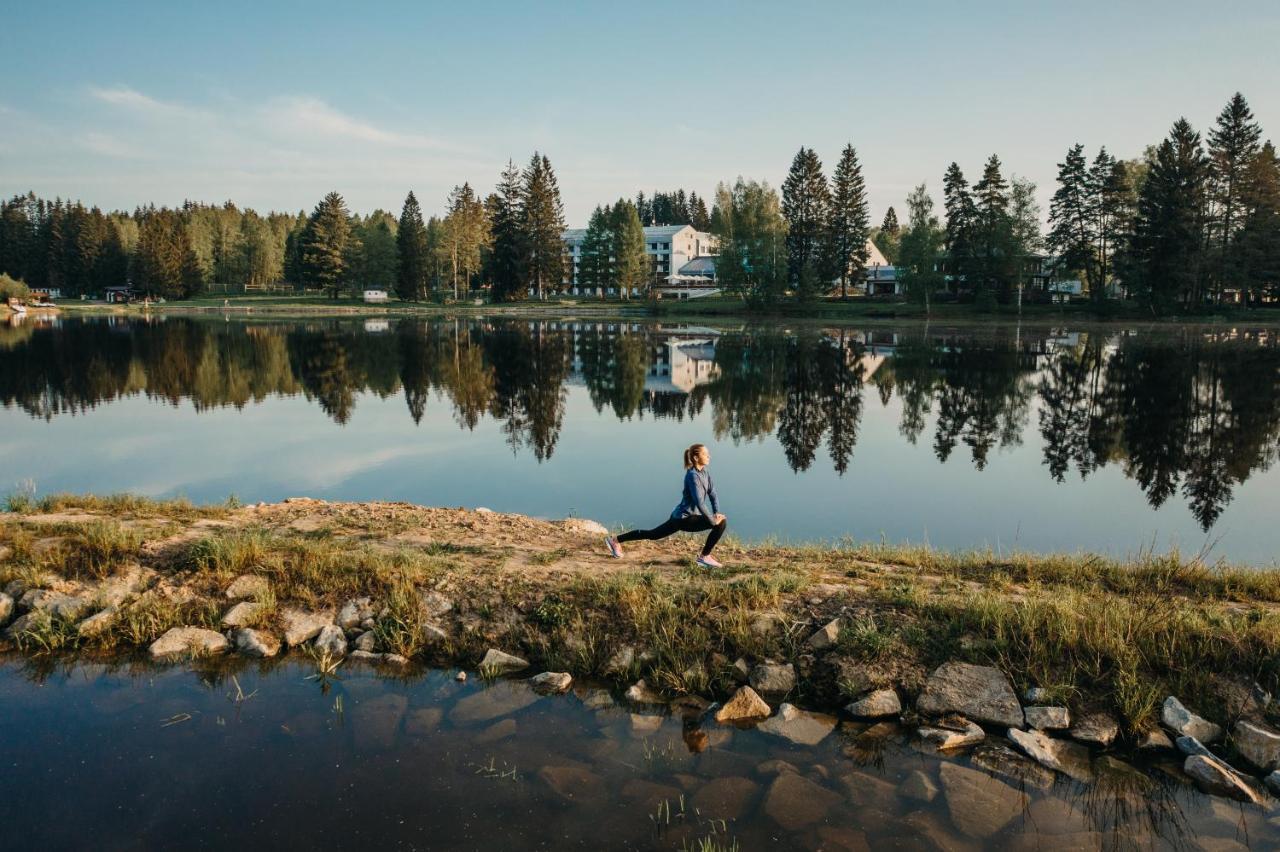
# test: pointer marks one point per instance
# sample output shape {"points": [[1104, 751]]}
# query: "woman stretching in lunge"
{"points": [[692, 515]]}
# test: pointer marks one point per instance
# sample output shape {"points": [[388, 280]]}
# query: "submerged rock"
{"points": [[918, 786], [799, 726], [977, 692], [1216, 778], [794, 801], [876, 705], [331, 641], [551, 683], [826, 636], [247, 586], [573, 783], [497, 731], [300, 627], [1257, 744], [1047, 718], [1182, 721], [1069, 758], [255, 643], [501, 699], [502, 662], [1003, 761], [945, 739], [773, 679], [726, 798], [979, 805], [1099, 728], [187, 641], [745, 704]]}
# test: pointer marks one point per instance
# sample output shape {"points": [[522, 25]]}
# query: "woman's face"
{"points": [[704, 457]]}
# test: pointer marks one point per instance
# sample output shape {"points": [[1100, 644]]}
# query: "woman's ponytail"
{"points": [[691, 455]]}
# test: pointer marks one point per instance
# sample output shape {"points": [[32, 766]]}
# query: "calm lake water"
{"points": [[165, 759], [1107, 438]]}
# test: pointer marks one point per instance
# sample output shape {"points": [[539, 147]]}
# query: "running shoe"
{"points": [[614, 548], [709, 562]]}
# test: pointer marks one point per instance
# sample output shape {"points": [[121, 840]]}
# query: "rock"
{"points": [[1005, 762], [690, 708], [460, 677], [1036, 695], [21, 624], [1214, 777], [726, 798], [776, 767], [376, 721], [640, 693], [944, 739], [241, 614], [794, 801], [300, 627], [63, 606], [1098, 728], [573, 783], [502, 662], [255, 643], [918, 786], [496, 731], [483, 510], [394, 659], [423, 722], [596, 699], [1047, 718], [551, 683], [187, 641], [6, 608], [247, 586], [836, 838], [766, 624], [1072, 841], [585, 526], [745, 704], [355, 611], [367, 656], [799, 726], [1182, 721], [500, 699], [741, 670], [433, 633], [98, 623], [647, 794], [1257, 744], [976, 692], [1069, 758], [1273, 782], [773, 679], [643, 725], [876, 705], [1151, 740], [621, 661], [433, 604], [979, 805], [826, 637], [1191, 745], [367, 641], [331, 640]]}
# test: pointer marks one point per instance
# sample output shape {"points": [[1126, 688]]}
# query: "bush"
{"points": [[13, 288]]}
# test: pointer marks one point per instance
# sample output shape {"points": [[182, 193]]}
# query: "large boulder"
{"points": [[773, 679], [800, 726], [301, 627], [728, 798], [1099, 728], [976, 692], [1069, 758], [500, 662], [98, 623], [331, 641], [1185, 723], [501, 699], [826, 636], [875, 705], [247, 586], [551, 683], [979, 805], [1257, 744], [1047, 718], [255, 643], [355, 611], [744, 705], [1004, 762], [574, 784], [242, 614], [188, 642], [1216, 778], [794, 801]]}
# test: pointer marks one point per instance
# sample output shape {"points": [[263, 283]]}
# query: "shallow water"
{"points": [[168, 758], [1106, 439]]}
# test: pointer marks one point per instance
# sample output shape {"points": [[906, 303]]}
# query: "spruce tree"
{"points": [[699, 218], [324, 245], [411, 252], [595, 258], [961, 223], [542, 227], [1072, 220], [1257, 247], [848, 225], [1233, 143], [994, 232], [806, 206], [632, 267], [506, 259], [1112, 209]]}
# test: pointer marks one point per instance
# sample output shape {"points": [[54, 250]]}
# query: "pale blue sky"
{"points": [[273, 104]]}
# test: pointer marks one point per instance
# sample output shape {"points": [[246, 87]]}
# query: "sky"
{"points": [[273, 104]]}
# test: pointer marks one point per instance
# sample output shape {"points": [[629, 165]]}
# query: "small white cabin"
{"points": [[375, 295]]}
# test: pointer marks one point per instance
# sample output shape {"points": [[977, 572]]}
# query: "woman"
{"points": [[698, 510]]}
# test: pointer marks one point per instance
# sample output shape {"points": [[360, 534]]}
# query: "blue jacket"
{"points": [[699, 490]]}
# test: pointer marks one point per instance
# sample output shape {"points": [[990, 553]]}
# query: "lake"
{"points": [[271, 758], [1102, 438]]}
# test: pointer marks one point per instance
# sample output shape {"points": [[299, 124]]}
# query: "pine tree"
{"points": [[994, 232], [542, 227], [595, 259], [1072, 219], [324, 245], [1113, 213], [1257, 247], [631, 263], [806, 206], [506, 260], [1233, 144], [961, 223], [848, 222], [699, 218], [411, 252]]}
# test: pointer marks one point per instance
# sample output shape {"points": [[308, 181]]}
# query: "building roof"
{"points": [[699, 265], [664, 230]]}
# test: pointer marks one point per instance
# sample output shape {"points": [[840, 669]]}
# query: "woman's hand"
{"points": [[720, 519]]}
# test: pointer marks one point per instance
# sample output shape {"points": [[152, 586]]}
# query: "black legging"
{"points": [[691, 523]]}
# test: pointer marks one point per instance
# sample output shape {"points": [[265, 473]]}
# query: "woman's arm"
{"points": [[711, 495], [697, 494]]}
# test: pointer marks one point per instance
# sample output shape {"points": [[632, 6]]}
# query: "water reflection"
{"points": [[1190, 411]]}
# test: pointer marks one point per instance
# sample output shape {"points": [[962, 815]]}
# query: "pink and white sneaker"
{"points": [[709, 561], [615, 549]]}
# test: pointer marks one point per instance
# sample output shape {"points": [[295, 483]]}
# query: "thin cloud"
{"points": [[303, 116]]}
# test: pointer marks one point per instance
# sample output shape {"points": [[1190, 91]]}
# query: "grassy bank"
{"points": [[1099, 633]]}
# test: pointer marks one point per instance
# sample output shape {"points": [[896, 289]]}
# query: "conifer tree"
{"points": [[632, 267], [506, 260], [542, 227], [1257, 247], [994, 232], [595, 263], [1233, 143], [698, 215], [848, 226], [1072, 219], [806, 206], [411, 252], [1113, 214], [324, 245], [961, 223]]}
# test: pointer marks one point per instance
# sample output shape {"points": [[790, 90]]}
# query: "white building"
{"points": [[669, 247], [375, 295]]}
